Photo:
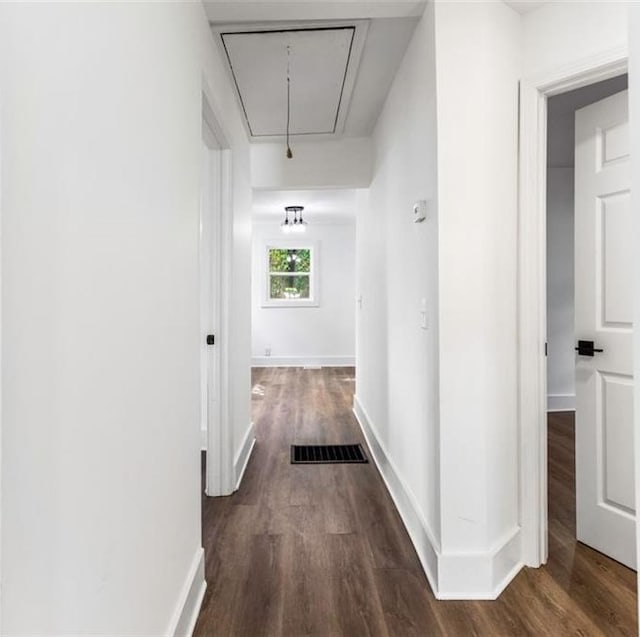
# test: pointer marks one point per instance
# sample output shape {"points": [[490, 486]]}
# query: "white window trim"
{"points": [[289, 244]]}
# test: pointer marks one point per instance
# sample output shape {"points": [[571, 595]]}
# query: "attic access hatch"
{"points": [[323, 64]]}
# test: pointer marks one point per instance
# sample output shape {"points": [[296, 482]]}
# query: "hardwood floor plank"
{"points": [[550, 610], [406, 602], [355, 601], [304, 550], [308, 608], [259, 607], [341, 517]]}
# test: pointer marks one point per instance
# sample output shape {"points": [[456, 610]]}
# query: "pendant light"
{"points": [[286, 225], [296, 224]]}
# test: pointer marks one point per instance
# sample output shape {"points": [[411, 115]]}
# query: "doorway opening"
{"points": [[568, 236], [532, 292], [214, 241], [303, 279], [532, 284]]}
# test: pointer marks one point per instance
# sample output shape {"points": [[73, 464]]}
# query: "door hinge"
{"points": [[546, 349]]}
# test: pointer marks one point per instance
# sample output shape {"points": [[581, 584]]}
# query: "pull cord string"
{"points": [[289, 153]]}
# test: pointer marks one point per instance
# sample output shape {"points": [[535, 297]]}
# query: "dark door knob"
{"points": [[211, 339], [586, 348]]}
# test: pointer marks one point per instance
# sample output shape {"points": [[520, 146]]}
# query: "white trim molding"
{"points": [[203, 438], [532, 302], [561, 402], [186, 613], [241, 460], [303, 361], [482, 574], [477, 575], [220, 477]]}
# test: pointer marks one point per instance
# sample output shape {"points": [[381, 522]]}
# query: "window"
{"points": [[290, 275]]}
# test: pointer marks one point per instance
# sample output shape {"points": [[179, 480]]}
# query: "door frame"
{"points": [[219, 475], [532, 294]]}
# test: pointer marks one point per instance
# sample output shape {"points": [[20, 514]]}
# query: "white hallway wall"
{"points": [[454, 397], [440, 402], [559, 34], [322, 335], [397, 267], [479, 53], [101, 138], [342, 163]]}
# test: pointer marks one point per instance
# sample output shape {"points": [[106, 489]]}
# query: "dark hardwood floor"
{"points": [[320, 550]]}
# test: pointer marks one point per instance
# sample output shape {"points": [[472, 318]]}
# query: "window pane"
{"points": [[289, 287], [289, 260]]}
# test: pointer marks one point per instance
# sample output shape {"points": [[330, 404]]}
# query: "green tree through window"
{"points": [[289, 273]]}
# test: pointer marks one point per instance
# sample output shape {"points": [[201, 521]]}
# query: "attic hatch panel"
{"points": [[318, 64]]}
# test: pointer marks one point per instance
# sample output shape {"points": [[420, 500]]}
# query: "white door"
{"points": [[605, 496]]}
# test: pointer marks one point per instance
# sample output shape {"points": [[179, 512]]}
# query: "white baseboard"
{"points": [[417, 527], [241, 460], [186, 613], [561, 402], [303, 361], [481, 575], [203, 439]]}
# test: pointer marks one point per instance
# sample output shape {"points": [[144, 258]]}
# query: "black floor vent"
{"points": [[327, 454]]}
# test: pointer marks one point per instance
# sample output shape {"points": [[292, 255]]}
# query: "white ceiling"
{"points": [[338, 84], [219, 11], [317, 61], [320, 206], [340, 76]]}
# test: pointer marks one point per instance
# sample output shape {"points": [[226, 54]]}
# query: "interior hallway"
{"points": [[321, 550]]}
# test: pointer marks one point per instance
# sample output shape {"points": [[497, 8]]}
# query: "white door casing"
{"points": [[532, 300], [209, 302], [215, 239], [605, 497]]}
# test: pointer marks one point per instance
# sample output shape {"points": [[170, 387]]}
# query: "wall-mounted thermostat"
{"points": [[419, 211]]}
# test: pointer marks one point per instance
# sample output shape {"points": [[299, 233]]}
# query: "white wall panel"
{"points": [[308, 335], [101, 138]]}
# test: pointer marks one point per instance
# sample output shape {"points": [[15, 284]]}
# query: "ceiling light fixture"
{"points": [[289, 153], [297, 224]]}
